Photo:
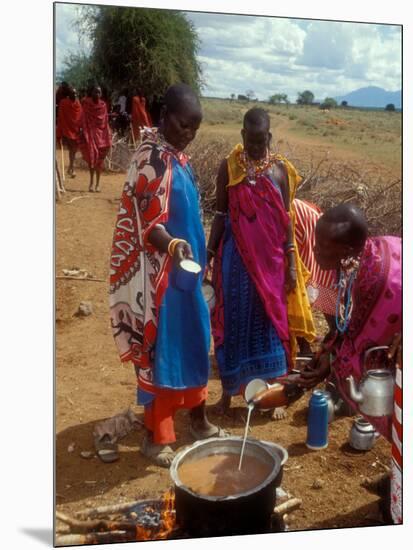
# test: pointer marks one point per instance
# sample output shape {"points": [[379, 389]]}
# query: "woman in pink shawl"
{"points": [[95, 137], [368, 311], [255, 263]]}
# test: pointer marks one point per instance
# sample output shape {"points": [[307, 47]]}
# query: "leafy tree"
{"points": [[344, 103], [242, 97], [305, 98], [80, 71], [390, 107], [232, 97], [278, 98], [250, 94], [328, 103], [140, 47]]}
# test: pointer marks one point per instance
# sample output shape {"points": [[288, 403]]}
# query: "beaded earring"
{"points": [[344, 305]]}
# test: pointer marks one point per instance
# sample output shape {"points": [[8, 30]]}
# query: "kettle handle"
{"points": [[370, 350]]}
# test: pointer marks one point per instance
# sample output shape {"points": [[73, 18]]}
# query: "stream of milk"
{"points": [[250, 408]]}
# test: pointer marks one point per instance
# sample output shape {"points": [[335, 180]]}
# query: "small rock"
{"points": [[280, 493], [71, 448], [133, 515], [87, 454], [91, 482], [85, 309], [317, 484]]}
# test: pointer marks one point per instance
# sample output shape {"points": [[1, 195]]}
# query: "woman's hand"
{"points": [[182, 251], [315, 372]]}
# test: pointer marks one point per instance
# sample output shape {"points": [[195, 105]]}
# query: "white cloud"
{"points": [[68, 38], [278, 55]]}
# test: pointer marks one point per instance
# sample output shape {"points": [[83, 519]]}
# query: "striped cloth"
{"points": [[397, 462], [321, 285]]}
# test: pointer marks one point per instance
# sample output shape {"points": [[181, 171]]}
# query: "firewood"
{"points": [[94, 538], [113, 508], [96, 525], [288, 506]]}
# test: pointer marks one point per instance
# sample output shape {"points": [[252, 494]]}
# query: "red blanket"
{"points": [[68, 119], [140, 116], [95, 138]]}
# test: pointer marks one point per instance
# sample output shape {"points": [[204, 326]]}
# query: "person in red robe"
{"points": [[95, 135], [140, 116], [68, 124]]}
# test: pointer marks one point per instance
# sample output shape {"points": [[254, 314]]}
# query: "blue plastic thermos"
{"points": [[317, 426]]}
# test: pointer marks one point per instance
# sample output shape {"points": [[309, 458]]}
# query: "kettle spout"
{"points": [[355, 395]]}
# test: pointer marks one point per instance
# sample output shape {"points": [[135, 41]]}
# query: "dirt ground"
{"points": [[91, 385]]}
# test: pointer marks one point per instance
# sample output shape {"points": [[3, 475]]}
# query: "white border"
{"points": [[27, 270]]}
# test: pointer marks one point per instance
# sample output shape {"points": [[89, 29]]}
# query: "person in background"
{"points": [[139, 115], [162, 329], [261, 302], [68, 125], [61, 92], [122, 99], [95, 136]]}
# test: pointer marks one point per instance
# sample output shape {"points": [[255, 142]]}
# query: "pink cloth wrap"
{"points": [[376, 316], [259, 225]]}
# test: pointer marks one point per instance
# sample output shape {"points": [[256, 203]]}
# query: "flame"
{"points": [[167, 520], [167, 515], [142, 533]]}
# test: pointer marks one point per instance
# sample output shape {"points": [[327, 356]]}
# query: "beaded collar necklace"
{"points": [[254, 168]]}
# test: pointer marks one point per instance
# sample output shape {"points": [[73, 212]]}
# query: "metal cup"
{"points": [[187, 275]]}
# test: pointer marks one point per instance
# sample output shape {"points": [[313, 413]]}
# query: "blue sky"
{"points": [[277, 55]]}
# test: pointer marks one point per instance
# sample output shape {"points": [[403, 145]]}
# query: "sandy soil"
{"points": [[91, 385]]}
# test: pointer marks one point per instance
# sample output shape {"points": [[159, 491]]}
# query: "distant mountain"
{"points": [[372, 96]]}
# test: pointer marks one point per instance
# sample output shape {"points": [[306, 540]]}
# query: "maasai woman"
{"points": [[95, 137], [68, 124], [163, 330], [262, 303], [368, 310]]}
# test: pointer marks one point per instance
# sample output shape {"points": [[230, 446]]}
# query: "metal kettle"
{"points": [[375, 392], [362, 435]]}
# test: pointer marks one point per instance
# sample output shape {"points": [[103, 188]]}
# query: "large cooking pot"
{"points": [[237, 514]]}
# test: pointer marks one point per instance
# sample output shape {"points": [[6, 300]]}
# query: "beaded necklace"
{"points": [[254, 168], [344, 305]]}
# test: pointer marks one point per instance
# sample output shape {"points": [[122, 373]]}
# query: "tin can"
{"points": [[186, 275], [317, 424]]}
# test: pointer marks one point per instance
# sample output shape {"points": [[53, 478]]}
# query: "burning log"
{"points": [[112, 508], [138, 521]]}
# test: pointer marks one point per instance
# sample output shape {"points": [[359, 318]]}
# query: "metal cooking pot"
{"points": [[237, 514]]}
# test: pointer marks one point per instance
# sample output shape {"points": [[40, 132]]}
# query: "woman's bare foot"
{"points": [[279, 413]]}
